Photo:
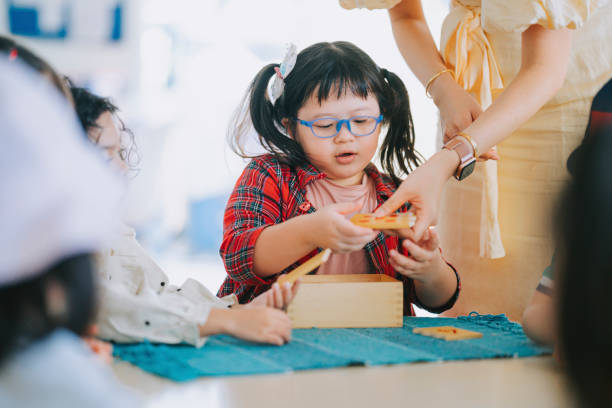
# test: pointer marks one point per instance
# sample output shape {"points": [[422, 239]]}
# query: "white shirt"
{"points": [[137, 302], [59, 372]]}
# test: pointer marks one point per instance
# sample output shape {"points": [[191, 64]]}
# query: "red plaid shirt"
{"points": [[269, 192]]}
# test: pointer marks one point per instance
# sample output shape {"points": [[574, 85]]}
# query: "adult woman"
{"points": [[510, 59]]}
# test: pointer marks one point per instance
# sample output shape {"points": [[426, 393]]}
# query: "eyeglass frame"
{"points": [[339, 124]]}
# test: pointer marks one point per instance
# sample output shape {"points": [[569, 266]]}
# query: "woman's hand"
{"points": [[423, 188], [423, 263], [333, 230], [458, 109], [258, 324], [276, 297]]}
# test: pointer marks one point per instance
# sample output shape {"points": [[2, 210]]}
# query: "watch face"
{"points": [[467, 170]]}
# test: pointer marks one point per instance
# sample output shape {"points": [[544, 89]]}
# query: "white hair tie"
{"points": [[278, 80]]}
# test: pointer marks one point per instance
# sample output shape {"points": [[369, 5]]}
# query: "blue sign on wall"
{"points": [[25, 19]]}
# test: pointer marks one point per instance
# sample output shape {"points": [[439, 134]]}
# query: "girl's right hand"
{"points": [[259, 324], [333, 230]]}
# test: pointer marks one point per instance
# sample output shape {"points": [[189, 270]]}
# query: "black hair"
{"points": [[89, 107], [25, 315], [324, 68], [12, 49], [585, 270]]}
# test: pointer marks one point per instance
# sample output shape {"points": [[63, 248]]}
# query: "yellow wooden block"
{"points": [[393, 221], [369, 300], [447, 333]]}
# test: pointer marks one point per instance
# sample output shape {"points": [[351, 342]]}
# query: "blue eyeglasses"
{"points": [[324, 128]]}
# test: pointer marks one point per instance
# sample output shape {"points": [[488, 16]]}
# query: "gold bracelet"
{"points": [[433, 78], [472, 142]]}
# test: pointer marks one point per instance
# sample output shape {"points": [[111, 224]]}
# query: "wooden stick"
{"points": [[305, 268]]}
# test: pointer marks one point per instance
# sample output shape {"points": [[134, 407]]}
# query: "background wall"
{"points": [[177, 70]]}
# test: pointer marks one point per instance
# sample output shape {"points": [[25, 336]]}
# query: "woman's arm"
{"points": [[457, 108], [414, 40], [544, 62]]}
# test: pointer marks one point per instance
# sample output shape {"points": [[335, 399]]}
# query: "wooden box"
{"points": [[348, 301]]}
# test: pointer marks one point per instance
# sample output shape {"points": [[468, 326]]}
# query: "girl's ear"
{"points": [[285, 123]]}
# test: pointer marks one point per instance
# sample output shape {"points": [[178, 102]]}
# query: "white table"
{"points": [[527, 382]]}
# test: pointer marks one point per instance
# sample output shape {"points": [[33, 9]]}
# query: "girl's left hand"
{"points": [[423, 259], [277, 297]]}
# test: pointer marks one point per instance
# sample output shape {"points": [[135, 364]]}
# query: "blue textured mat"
{"points": [[327, 348]]}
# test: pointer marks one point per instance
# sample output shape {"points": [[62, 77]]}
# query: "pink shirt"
{"points": [[323, 192]]}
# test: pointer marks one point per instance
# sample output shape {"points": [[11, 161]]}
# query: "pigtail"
{"points": [[397, 148], [258, 112]]}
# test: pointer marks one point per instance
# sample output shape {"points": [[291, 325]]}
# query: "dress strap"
{"points": [[467, 51]]}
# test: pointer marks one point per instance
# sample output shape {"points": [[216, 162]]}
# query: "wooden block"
{"points": [[447, 333], [393, 221], [305, 268], [326, 301]]}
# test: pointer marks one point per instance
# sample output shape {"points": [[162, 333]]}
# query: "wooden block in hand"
{"points": [[394, 221], [447, 333]]}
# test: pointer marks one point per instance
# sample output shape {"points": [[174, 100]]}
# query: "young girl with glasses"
{"points": [[319, 115]]}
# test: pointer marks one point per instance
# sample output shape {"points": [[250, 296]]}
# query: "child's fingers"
{"points": [[403, 261], [405, 233], [274, 338], [392, 233], [287, 295], [416, 252], [426, 235], [282, 326], [269, 298], [348, 229], [422, 223], [278, 296], [295, 288], [433, 242]]}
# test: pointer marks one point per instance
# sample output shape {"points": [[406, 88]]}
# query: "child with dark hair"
{"points": [[539, 318], [585, 261], [137, 300], [319, 114], [54, 214], [99, 118]]}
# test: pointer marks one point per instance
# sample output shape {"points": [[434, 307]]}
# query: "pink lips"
{"points": [[346, 158]]}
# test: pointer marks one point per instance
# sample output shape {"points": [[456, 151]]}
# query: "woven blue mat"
{"points": [[326, 348]]}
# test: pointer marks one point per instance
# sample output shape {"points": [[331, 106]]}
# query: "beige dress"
{"points": [[495, 226]]}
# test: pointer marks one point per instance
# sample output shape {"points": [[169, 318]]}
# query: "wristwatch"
{"points": [[465, 150]]}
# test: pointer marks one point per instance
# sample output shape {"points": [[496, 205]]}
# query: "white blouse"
{"points": [[137, 302]]}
